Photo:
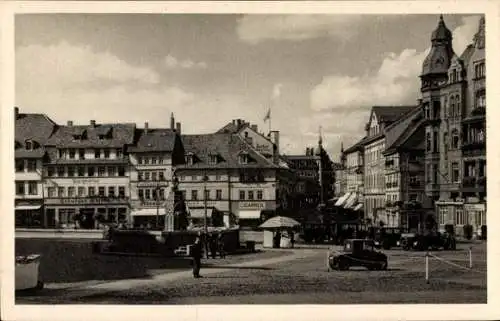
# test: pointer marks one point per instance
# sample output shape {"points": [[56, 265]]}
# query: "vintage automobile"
{"points": [[387, 238], [358, 252], [423, 242]]}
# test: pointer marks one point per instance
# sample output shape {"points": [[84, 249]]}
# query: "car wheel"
{"points": [[383, 266], [39, 285], [343, 265]]}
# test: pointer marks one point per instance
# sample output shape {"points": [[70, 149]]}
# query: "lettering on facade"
{"points": [[252, 205], [86, 200], [262, 148], [152, 184], [86, 181]]}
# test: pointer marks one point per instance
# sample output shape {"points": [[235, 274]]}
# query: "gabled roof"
{"points": [[356, 147], [228, 146], [32, 127], [399, 133], [233, 127], [389, 114], [121, 134], [154, 140]]}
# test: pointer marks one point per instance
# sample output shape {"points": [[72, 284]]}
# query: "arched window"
{"points": [[457, 101], [454, 139], [452, 106]]}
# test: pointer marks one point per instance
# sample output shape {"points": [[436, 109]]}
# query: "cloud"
{"points": [[255, 28], [277, 91], [173, 63]]}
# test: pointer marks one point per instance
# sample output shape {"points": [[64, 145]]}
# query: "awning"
{"points": [[358, 207], [200, 212], [341, 200], [249, 215], [148, 212], [27, 207], [351, 200]]}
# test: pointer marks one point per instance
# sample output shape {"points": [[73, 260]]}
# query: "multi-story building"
{"points": [[225, 174], [374, 160], [31, 133], [453, 99], [153, 158], [86, 174]]}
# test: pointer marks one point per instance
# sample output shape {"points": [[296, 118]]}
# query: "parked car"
{"points": [[422, 242], [387, 238], [358, 252]]}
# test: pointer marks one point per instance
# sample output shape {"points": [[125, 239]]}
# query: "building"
{"points": [[374, 161], [31, 134], [406, 202], [153, 158], [226, 175], [86, 175], [454, 101]]}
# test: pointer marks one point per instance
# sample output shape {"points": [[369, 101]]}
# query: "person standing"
{"points": [[220, 242], [292, 238], [196, 255], [213, 246]]}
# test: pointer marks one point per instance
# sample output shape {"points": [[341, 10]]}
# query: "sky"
{"points": [[312, 70]]}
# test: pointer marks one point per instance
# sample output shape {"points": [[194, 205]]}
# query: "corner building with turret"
{"points": [[453, 92]]}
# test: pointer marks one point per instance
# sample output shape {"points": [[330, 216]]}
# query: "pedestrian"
{"points": [[222, 253], [196, 255], [213, 246], [206, 244], [292, 238]]}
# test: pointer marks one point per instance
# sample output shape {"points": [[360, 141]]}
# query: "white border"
{"points": [[289, 312]]}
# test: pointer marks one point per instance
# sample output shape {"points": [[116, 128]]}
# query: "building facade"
{"points": [[86, 175], [31, 133], [453, 98]]}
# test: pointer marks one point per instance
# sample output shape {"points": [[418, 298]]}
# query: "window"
{"points": [[91, 171], [452, 106], [61, 153], [189, 159], [435, 141], [259, 195], [121, 191], [458, 111], [81, 171], [480, 70], [20, 165], [139, 160], [102, 191], [429, 174], [207, 194], [160, 160], [71, 191], [242, 195], [106, 153], [72, 153], [20, 188], [250, 195], [162, 194], [218, 194], [111, 191], [146, 176], [194, 195], [148, 194], [445, 144], [428, 142], [460, 217], [101, 171], [153, 160], [81, 191], [81, 153], [481, 99], [71, 171], [146, 161], [213, 159], [161, 176], [60, 171], [111, 171], [454, 139], [51, 192], [154, 176], [31, 165], [97, 153], [141, 194], [60, 191], [119, 153], [121, 171], [455, 172], [140, 176], [29, 145], [243, 158], [91, 191]]}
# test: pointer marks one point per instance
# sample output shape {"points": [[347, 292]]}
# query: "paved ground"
{"points": [[295, 276]]}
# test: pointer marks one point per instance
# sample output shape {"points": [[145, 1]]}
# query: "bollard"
{"points": [[427, 267], [470, 257], [327, 261]]}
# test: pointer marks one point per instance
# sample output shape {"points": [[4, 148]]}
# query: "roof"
{"points": [[35, 127], [36, 153], [226, 146], [399, 133], [154, 140], [441, 32], [233, 127], [119, 134], [465, 57], [389, 114], [356, 147]]}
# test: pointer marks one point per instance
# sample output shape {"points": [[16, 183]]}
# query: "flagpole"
{"points": [[270, 107]]}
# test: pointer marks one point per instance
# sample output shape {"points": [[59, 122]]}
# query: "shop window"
{"points": [[121, 191], [20, 165], [20, 190], [91, 191]]}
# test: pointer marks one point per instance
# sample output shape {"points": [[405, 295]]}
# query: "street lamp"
{"points": [[205, 179], [157, 205]]}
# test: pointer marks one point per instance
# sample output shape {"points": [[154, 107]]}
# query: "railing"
{"points": [[473, 145]]}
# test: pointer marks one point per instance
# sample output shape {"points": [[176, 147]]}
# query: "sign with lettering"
{"points": [[252, 205], [263, 148], [86, 181], [474, 207], [86, 200], [153, 184]]}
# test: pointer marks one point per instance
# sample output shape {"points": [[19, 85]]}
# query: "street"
{"points": [[297, 276]]}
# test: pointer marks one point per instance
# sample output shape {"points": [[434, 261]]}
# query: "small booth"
{"points": [[279, 232]]}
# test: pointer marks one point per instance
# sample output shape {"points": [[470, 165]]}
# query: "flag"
{"points": [[268, 115]]}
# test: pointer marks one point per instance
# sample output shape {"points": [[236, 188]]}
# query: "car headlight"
{"points": [[415, 243], [398, 243]]}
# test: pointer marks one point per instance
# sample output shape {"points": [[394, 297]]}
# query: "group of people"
{"points": [[212, 244]]}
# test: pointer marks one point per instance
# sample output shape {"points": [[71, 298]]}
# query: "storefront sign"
{"points": [[153, 184], [85, 200], [86, 181], [252, 205], [474, 207]]}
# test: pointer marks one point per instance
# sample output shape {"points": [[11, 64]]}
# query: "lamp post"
{"points": [[157, 190], [205, 179]]}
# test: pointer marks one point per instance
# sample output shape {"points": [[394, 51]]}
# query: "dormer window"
{"points": [[189, 158], [213, 159], [243, 158], [29, 145]]}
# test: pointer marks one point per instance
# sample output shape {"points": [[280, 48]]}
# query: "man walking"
{"points": [[196, 255]]}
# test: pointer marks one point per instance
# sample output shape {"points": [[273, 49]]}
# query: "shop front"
{"points": [[29, 213], [85, 213], [251, 214], [451, 213], [476, 214]]}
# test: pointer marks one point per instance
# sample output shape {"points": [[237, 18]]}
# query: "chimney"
{"points": [[307, 151], [238, 122], [16, 112], [172, 121], [178, 128], [92, 123], [254, 128], [312, 151], [275, 139], [70, 123], [146, 127], [234, 122]]}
